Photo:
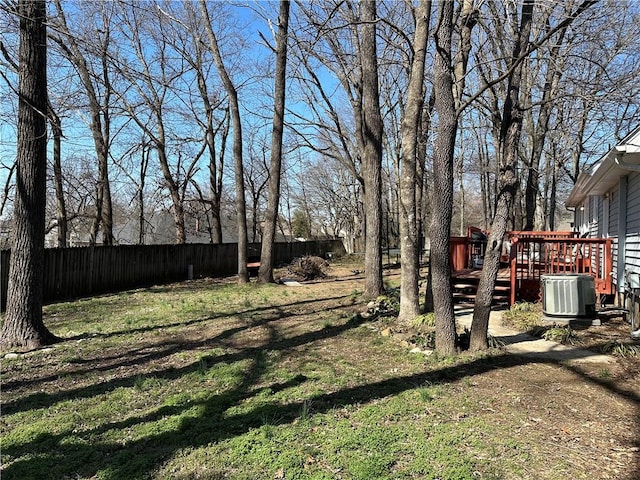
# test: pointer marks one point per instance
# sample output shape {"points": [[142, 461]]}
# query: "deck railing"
{"points": [[541, 234], [532, 256], [467, 252]]}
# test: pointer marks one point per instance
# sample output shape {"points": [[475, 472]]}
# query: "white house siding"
{"points": [[613, 213], [632, 259], [602, 221], [614, 198], [593, 216], [579, 218]]}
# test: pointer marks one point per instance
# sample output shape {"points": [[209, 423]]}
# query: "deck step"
{"points": [[465, 286]]}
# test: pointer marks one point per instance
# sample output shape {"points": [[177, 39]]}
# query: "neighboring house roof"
{"points": [[603, 175]]}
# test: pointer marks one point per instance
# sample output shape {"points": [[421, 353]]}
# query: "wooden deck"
{"points": [[464, 284], [474, 274], [531, 255]]}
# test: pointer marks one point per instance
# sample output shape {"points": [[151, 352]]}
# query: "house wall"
{"points": [[595, 216], [614, 198], [603, 220], [583, 214], [632, 249], [615, 211], [612, 231], [577, 219]]}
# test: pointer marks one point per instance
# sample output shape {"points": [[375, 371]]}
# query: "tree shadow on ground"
{"points": [[210, 426], [45, 400], [59, 458], [148, 353]]}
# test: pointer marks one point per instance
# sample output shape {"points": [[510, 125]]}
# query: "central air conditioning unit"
{"points": [[568, 295]]}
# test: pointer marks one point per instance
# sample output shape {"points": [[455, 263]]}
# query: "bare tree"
{"points": [[371, 152], [256, 181], [265, 273], [541, 128], [61, 208], [333, 195], [24, 326], [135, 165], [236, 125], [343, 41], [154, 80], [411, 122], [449, 84], [205, 107], [511, 127], [56, 129], [99, 103], [442, 183], [599, 95], [510, 131]]}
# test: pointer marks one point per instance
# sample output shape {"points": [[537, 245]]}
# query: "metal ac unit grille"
{"points": [[569, 295]]}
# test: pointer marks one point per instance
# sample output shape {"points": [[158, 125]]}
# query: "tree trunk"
{"points": [[100, 120], [460, 172], [372, 153], [103, 132], [552, 197], [409, 233], [107, 205], [97, 217], [61, 209], [24, 326], [442, 185], [216, 159], [236, 124], [215, 181], [554, 72], [510, 131], [265, 274], [425, 212], [254, 218], [216, 221], [144, 164], [172, 186]]}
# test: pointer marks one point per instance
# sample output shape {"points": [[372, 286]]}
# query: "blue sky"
{"points": [[77, 135]]}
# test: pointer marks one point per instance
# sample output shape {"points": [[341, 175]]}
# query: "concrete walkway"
{"points": [[526, 345]]}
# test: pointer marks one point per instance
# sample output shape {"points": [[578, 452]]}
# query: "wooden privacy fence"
{"points": [[85, 271]]}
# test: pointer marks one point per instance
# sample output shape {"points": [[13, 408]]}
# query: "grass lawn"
{"points": [[210, 380]]}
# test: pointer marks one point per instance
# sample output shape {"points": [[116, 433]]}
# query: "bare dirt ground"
{"points": [[589, 412]]}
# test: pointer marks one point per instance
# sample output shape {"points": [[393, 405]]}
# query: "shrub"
{"points": [[424, 340], [387, 305], [523, 316], [620, 349], [564, 335], [425, 320]]}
